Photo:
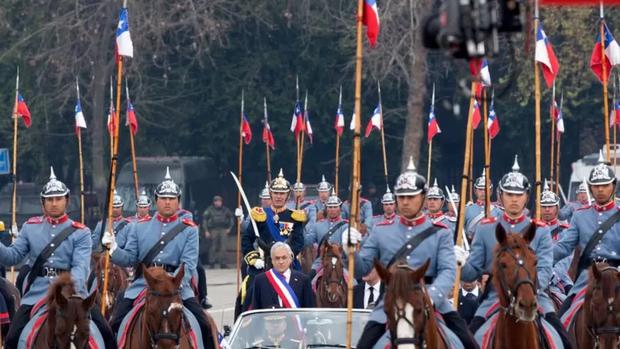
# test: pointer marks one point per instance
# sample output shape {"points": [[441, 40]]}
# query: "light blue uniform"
{"points": [[560, 268], [583, 225], [96, 233], [566, 213], [386, 239], [183, 249], [483, 252], [365, 211], [319, 230], [73, 253], [448, 221], [382, 218]]}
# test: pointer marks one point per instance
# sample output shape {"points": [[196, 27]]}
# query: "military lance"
{"points": [[537, 118], [132, 143], [78, 131], [240, 178], [339, 127], [385, 167]]}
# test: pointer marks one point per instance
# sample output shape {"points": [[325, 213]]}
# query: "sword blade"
{"points": [[245, 202]]}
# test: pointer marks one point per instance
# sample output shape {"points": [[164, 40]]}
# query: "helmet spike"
{"points": [[546, 186], [167, 176], [52, 174], [388, 189], [323, 178], [515, 166], [601, 159], [435, 183], [411, 166]]}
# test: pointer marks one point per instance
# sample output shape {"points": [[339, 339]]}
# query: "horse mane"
{"points": [[62, 283], [400, 281]]}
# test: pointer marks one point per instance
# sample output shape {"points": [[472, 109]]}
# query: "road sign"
{"points": [[5, 167]]}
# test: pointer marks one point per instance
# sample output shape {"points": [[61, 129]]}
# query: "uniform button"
{"points": [[512, 225], [409, 228], [408, 257], [408, 236], [52, 235], [600, 231], [598, 248], [53, 226], [161, 252], [52, 255], [165, 224], [409, 246], [161, 242], [163, 233], [599, 222], [159, 259], [51, 245], [600, 213]]}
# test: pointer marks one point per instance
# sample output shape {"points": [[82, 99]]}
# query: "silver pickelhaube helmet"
{"points": [[410, 182], [143, 200], [582, 188], [514, 182], [480, 181], [324, 186], [454, 196], [388, 197], [168, 188], [548, 198], [118, 200], [54, 187], [602, 173], [333, 200], [435, 192], [299, 187], [264, 194], [280, 184]]}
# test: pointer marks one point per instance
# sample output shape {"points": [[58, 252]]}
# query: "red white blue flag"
{"points": [[339, 123], [371, 20], [297, 121], [132, 120], [267, 135], [433, 126], [124, 45], [546, 57], [492, 121], [375, 122], [80, 122], [485, 74], [21, 109], [476, 115], [612, 55], [308, 128], [246, 131]]}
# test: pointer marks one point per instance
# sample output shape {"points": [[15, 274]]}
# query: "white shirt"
{"points": [[474, 292], [375, 292], [287, 277]]}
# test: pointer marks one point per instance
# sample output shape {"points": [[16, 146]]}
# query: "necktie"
{"points": [[371, 298]]}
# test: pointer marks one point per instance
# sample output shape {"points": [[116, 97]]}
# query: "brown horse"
{"points": [[68, 320], [514, 278], [12, 298], [597, 323], [117, 281], [331, 289], [161, 323], [410, 314]]}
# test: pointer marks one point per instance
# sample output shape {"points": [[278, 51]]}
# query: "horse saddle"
{"points": [[123, 332], [451, 339], [568, 318], [37, 319]]}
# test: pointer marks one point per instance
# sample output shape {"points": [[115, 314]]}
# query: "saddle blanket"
{"points": [[569, 316], [448, 336]]}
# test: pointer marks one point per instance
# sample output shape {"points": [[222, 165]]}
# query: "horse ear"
{"points": [[595, 272], [179, 277], [150, 281], [530, 233], [383, 272], [421, 271], [500, 234], [89, 301]]}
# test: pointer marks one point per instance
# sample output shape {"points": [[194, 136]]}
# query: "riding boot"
{"points": [[566, 305], [194, 308], [370, 335], [109, 339], [122, 307], [19, 321], [456, 323], [202, 287], [554, 321]]}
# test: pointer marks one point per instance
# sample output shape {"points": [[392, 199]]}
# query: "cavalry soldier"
{"points": [[550, 206], [143, 208], [328, 229], [166, 240], [594, 228], [299, 202], [365, 212], [388, 201], [119, 222], [435, 200], [566, 213], [414, 238], [514, 192], [453, 206], [323, 188], [474, 211], [70, 244]]}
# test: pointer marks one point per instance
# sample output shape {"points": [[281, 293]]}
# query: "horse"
{"points": [[597, 323], [11, 297], [410, 314], [160, 322], [117, 281], [514, 270], [67, 322], [331, 289]]}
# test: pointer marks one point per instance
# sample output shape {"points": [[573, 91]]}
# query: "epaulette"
{"points": [[78, 225], [189, 222], [258, 214], [439, 224], [35, 220], [299, 215], [539, 223], [488, 220], [584, 207]]}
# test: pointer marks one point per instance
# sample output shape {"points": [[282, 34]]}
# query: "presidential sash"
{"points": [[283, 289]]}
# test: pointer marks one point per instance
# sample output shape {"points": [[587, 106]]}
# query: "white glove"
{"points": [[461, 255], [259, 264], [14, 231], [239, 213], [356, 236], [110, 241]]}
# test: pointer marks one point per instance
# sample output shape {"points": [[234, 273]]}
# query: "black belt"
{"points": [[428, 280], [51, 272], [167, 267]]}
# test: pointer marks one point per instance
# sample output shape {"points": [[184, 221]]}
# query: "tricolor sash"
{"points": [[283, 289], [272, 226]]}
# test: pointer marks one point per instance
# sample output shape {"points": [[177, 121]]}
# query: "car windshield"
{"points": [[319, 328]]}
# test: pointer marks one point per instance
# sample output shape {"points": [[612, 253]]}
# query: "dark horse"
{"points": [[410, 313], [117, 281], [12, 299], [68, 319], [514, 278], [597, 323], [331, 287], [161, 323]]}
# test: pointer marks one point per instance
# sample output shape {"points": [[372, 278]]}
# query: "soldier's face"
{"points": [[265, 202], [549, 213], [281, 260], [434, 205], [333, 212], [410, 206], [117, 212], [143, 211], [479, 194], [602, 193], [323, 195], [55, 207], [278, 199], [514, 203], [167, 207], [582, 198], [389, 209]]}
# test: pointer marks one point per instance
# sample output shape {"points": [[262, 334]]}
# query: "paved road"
{"points": [[222, 288]]}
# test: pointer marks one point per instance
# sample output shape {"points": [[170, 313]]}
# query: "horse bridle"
{"points": [[60, 313], [512, 293], [155, 338], [597, 332], [401, 314], [332, 280]]}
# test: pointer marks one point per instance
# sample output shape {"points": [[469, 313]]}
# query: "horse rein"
{"points": [[155, 338], [401, 314], [512, 293], [61, 313], [332, 280], [597, 332]]}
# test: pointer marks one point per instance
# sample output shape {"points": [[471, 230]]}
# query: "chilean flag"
{"points": [[554, 111], [308, 128], [475, 117], [80, 122], [612, 55], [485, 74], [492, 121], [433, 126], [352, 123], [297, 122], [375, 121], [546, 57], [370, 19], [124, 45], [339, 124], [132, 121], [21, 109], [268, 136], [246, 131], [615, 112]]}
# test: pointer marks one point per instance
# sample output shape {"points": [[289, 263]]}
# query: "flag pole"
{"points": [[240, 176], [338, 147], [297, 135], [552, 163], [14, 174], [487, 156], [112, 179], [79, 137], [303, 136], [537, 117], [355, 172], [604, 68], [268, 156], [460, 221], [470, 174], [385, 167], [557, 158], [134, 166]]}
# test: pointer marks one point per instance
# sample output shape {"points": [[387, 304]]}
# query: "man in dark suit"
{"points": [[469, 299], [367, 293], [281, 287]]}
